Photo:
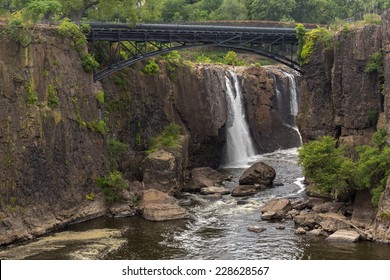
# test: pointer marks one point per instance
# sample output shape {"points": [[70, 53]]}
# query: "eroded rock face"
{"points": [[338, 96], [382, 221], [158, 206], [259, 173]]}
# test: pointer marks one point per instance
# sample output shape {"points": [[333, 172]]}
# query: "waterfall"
{"points": [[293, 94], [239, 144]]}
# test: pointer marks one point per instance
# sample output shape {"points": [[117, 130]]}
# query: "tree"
{"points": [[149, 10], [271, 9], [230, 10], [42, 9]]}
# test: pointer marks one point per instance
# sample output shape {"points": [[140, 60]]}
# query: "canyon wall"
{"points": [[56, 130]]}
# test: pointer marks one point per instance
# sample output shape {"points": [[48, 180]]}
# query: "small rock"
{"points": [[300, 231], [214, 196], [256, 229], [316, 232], [243, 190], [214, 190], [281, 227], [242, 202], [344, 235], [278, 184]]}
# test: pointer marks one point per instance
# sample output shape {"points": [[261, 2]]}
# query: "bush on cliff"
{"points": [[112, 186], [168, 138], [332, 172]]}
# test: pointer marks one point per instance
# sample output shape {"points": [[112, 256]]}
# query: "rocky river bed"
{"points": [[217, 228]]}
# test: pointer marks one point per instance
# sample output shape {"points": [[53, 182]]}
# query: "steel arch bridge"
{"points": [[119, 45]]}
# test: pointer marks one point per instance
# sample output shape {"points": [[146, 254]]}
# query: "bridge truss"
{"points": [[118, 45]]}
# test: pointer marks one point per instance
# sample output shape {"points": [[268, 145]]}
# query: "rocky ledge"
{"points": [[316, 216]]}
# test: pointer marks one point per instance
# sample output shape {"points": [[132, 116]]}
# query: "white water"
{"points": [[239, 145], [293, 94]]}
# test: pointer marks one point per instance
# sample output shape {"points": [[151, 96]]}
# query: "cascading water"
{"points": [[239, 144]]}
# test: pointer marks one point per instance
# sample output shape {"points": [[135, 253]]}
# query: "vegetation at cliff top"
{"points": [[133, 11], [334, 173]]}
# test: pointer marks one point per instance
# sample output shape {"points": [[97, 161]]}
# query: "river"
{"points": [[217, 229]]}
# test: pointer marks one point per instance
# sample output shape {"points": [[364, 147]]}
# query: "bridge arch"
{"points": [[108, 43]]}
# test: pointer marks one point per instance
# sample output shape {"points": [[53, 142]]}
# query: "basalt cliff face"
{"points": [[340, 98], [55, 130]]}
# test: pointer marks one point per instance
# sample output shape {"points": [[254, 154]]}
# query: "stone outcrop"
{"points": [[258, 174], [244, 190], [158, 206], [271, 127]]}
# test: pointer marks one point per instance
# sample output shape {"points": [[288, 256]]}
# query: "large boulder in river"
{"points": [[258, 174], [344, 235], [276, 209], [158, 206]]}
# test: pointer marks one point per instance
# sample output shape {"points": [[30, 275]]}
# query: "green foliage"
{"points": [[18, 30], [90, 197], [112, 186], [151, 68], [231, 58], [384, 215], [99, 126], [100, 96], [52, 98], [89, 62], [32, 95], [311, 40], [326, 166], [332, 172], [70, 30], [375, 64], [271, 10], [168, 138], [42, 9], [203, 59], [115, 150], [372, 19]]}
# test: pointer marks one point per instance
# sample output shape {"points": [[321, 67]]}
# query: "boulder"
{"points": [[332, 221], [305, 219], [275, 209], [259, 173], [300, 231], [344, 235], [328, 207], [204, 177], [256, 229], [214, 190], [158, 206], [122, 210], [281, 227], [316, 232], [244, 190]]}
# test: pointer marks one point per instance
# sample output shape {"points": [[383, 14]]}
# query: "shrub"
{"points": [[326, 166], [112, 186], [372, 19], [203, 59], [332, 172], [231, 58], [151, 68], [32, 95], [99, 126], [19, 31], [100, 96], [71, 30], [375, 64], [115, 149], [310, 41], [167, 139], [89, 62], [52, 99]]}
